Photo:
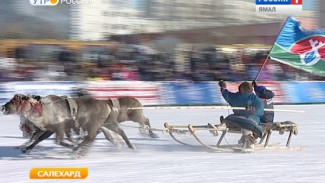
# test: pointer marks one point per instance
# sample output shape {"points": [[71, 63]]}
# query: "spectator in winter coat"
{"points": [[266, 96]]}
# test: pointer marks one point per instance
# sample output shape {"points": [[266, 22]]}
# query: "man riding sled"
{"points": [[248, 121]]}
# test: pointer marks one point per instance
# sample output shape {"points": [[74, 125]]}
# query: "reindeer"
{"points": [[130, 109], [55, 117]]}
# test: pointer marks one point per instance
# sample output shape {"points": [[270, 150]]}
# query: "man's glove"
{"points": [[250, 109], [222, 84]]}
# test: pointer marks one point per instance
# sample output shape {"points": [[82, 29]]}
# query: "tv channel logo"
{"points": [[288, 7], [55, 2], [44, 2]]}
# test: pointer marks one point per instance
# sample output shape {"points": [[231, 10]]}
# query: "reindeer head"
{"points": [[36, 97], [15, 104]]}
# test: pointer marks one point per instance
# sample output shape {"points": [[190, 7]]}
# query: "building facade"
{"points": [[105, 18], [321, 13]]}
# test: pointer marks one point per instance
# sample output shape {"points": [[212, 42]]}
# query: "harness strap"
{"points": [[37, 107], [72, 109], [116, 104]]}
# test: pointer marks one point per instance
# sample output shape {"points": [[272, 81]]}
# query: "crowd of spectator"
{"points": [[131, 65]]}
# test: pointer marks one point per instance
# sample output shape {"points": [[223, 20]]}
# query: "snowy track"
{"points": [[164, 160]]}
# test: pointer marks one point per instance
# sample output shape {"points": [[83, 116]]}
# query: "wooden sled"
{"points": [[185, 129], [222, 128], [281, 127]]}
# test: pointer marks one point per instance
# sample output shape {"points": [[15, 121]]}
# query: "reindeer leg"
{"points": [[108, 135], [115, 128], [147, 123], [36, 138], [64, 144], [144, 122], [69, 136], [60, 138], [82, 147]]}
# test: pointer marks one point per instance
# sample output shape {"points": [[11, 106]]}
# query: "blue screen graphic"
{"points": [[272, 2]]}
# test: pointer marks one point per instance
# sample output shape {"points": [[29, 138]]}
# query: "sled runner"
{"points": [[224, 128], [281, 127]]}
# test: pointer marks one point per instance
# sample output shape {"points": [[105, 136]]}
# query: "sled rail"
{"points": [[268, 128], [281, 127]]}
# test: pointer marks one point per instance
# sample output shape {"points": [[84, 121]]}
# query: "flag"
{"points": [[300, 48]]}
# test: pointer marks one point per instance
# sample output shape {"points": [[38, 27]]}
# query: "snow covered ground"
{"points": [[164, 160]]}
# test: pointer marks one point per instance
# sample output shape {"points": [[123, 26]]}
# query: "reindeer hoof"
{"points": [[118, 145], [75, 149], [133, 147], [21, 147], [76, 154], [25, 150], [153, 135]]}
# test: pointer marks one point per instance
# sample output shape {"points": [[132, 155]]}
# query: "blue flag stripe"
{"points": [[292, 32]]}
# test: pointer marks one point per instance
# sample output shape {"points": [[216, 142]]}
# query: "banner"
{"points": [[165, 93], [300, 48], [187, 93], [146, 92], [8, 90], [305, 92]]}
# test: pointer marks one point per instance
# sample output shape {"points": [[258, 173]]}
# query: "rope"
{"points": [[209, 107], [146, 128], [196, 107]]}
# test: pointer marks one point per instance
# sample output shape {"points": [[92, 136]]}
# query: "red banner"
{"points": [[147, 92]]}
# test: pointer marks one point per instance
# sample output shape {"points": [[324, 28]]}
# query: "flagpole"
{"points": [[268, 55], [259, 72]]}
